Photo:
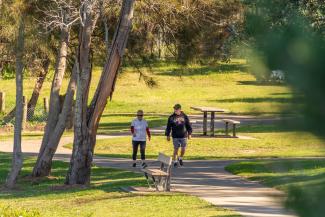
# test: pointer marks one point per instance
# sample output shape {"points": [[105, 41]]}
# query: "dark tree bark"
{"points": [[37, 89], [17, 160], [87, 119], [83, 81]]}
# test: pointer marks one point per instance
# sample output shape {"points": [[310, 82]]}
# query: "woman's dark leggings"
{"points": [[135, 145]]}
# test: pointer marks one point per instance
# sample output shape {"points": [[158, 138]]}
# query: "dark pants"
{"points": [[135, 145]]}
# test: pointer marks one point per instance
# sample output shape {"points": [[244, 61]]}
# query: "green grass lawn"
{"points": [[269, 141], [228, 86], [49, 197], [303, 180], [114, 123]]}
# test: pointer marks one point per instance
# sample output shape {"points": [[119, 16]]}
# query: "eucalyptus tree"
{"points": [[17, 158], [59, 15], [87, 117]]}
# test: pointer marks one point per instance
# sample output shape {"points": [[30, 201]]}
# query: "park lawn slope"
{"points": [[49, 197], [227, 86], [302, 179], [267, 142], [224, 85]]}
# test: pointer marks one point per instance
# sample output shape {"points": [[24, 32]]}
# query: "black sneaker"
{"points": [[134, 164], [144, 165], [175, 164], [181, 162]]}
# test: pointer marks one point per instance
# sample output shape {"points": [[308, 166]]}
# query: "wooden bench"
{"points": [[159, 175], [234, 123]]}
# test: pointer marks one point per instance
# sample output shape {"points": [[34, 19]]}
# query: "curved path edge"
{"points": [[206, 179]]}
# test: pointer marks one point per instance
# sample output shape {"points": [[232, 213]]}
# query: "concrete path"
{"points": [[33, 145], [209, 181], [205, 179]]}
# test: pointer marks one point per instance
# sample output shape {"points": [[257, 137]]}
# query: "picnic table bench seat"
{"points": [[234, 123]]}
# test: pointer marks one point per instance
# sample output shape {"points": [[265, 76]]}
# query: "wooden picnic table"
{"points": [[205, 111]]}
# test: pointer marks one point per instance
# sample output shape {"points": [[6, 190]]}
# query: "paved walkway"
{"points": [[209, 181], [205, 179]]}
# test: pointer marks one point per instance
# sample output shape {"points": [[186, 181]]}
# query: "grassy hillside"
{"points": [[227, 86]]}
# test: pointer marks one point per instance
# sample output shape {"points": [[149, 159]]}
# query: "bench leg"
{"points": [[147, 178], [234, 130], [205, 123], [227, 129], [155, 183], [168, 183], [212, 123]]}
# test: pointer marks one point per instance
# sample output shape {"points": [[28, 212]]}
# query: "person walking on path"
{"points": [[179, 126], [139, 130]]}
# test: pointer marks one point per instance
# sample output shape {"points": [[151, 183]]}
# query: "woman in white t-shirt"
{"points": [[139, 130]]}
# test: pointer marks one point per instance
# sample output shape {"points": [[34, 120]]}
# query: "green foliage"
{"points": [[185, 30], [289, 37]]}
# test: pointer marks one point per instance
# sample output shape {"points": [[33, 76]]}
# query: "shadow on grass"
{"points": [[206, 70], [114, 126], [193, 157], [286, 124], [260, 100], [281, 94], [282, 172], [275, 127], [259, 83], [123, 126], [105, 179]]}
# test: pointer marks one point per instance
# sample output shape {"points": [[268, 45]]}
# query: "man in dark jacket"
{"points": [[179, 125]]}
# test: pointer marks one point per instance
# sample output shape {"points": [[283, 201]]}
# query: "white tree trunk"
{"points": [[54, 107], [17, 160], [44, 163]]}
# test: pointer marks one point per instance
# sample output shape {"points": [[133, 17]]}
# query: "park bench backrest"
{"points": [[166, 162]]}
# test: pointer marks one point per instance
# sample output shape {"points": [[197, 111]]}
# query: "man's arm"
{"points": [[188, 126], [168, 129]]}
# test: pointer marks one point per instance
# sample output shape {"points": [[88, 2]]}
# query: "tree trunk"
{"points": [[54, 107], [17, 160], [44, 164], [87, 120], [37, 89], [83, 80]]}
